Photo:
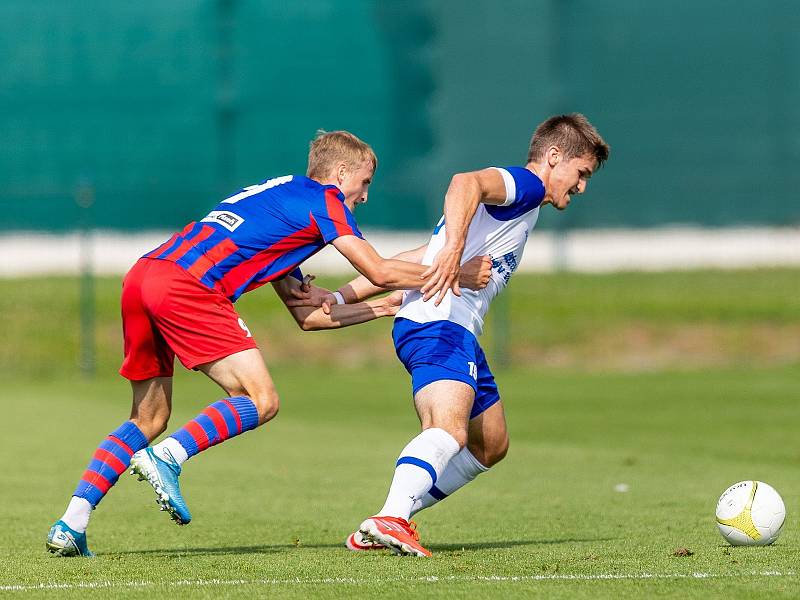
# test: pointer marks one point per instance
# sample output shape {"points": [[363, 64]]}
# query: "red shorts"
{"points": [[166, 313]]}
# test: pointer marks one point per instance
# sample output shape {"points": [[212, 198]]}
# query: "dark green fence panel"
{"points": [[164, 107]]}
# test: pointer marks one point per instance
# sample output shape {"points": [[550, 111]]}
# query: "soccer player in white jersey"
{"points": [[463, 424]]}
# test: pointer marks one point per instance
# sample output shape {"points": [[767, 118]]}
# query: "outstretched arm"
{"points": [[311, 318], [389, 274], [466, 191], [474, 274], [362, 288]]}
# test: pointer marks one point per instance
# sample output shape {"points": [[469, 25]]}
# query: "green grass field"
{"points": [[675, 384]]}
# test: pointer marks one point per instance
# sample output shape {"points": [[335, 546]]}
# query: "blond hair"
{"points": [[573, 134], [330, 148]]}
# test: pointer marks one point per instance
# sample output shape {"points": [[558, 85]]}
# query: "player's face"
{"points": [[354, 184], [567, 178]]}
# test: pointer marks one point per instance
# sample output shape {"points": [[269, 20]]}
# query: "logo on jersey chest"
{"points": [[505, 265], [227, 219]]}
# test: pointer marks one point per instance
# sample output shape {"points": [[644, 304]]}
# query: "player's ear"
{"points": [[553, 156], [341, 172]]}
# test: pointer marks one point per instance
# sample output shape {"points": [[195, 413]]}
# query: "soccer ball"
{"points": [[750, 513]]}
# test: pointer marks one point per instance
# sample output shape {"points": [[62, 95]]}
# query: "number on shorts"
{"points": [[244, 327], [473, 370]]}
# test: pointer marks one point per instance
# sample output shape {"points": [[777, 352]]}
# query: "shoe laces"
{"points": [[412, 529], [171, 462]]}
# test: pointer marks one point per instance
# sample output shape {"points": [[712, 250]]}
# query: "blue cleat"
{"points": [[65, 541], [163, 476]]}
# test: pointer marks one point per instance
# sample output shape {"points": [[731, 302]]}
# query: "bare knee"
{"points": [[490, 453], [498, 452], [459, 434], [267, 404], [151, 425]]}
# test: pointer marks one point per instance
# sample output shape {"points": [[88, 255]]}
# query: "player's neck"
{"points": [[542, 171]]}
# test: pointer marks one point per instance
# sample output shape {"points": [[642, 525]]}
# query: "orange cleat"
{"points": [[397, 534], [359, 543]]}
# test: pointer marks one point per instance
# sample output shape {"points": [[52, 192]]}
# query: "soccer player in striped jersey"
{"points": [[490, 211], [177, 300]]}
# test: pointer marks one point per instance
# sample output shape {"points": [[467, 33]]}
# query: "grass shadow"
{"points": [[274, 548], [511, 544], [221, 550]]}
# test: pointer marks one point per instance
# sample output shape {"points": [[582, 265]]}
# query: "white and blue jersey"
{"points": [[439, 342]]}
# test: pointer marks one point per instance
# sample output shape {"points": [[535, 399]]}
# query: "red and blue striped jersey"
{"points": [[260, 234]]}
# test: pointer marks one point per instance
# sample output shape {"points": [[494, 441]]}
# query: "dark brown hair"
{"points": [[573, 134]]}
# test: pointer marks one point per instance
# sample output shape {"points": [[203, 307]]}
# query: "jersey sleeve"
{"points": [[333, 218], [524, 192], [297, 274]]}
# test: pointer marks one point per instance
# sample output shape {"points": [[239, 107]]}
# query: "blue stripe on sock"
{"points": [[417, 462], [227, 415], [247, 412], [89, 493], [208, 426], [185, 440], [114, 448], [248, 415], [103, 469], [437, 493], [129, 433]]}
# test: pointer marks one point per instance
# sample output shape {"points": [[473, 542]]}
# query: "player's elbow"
{"points": [[310, 324], [314, 320], [464, 181], [379, 275], [460, 179], [307, 322]]}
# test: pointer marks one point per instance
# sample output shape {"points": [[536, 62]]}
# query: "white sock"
{"points": [[77, 515], [461, 469], [419, 466], [169, 449]]}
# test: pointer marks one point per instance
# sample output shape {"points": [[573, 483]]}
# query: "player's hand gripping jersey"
{"points": [[497, 230], [260, 234]]}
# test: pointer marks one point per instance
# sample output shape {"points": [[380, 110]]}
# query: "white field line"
{"points": [[362, 581]]}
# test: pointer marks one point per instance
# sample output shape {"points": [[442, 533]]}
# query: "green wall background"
{"points": [[162, 108]]}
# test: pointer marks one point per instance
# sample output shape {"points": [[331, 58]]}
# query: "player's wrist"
{"points": [[384, 308], [349, 294], [454, 244], [338, 297]]}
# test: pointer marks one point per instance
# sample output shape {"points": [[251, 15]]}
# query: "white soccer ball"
{"points": [[750, 513]]}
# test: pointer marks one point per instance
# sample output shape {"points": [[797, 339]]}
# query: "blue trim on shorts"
{"points": [[445, 351]]}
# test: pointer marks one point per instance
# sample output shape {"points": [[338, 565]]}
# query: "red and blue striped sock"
{"points": [[109, 461], [220, 421]]}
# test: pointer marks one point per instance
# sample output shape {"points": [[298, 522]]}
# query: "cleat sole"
{"points": [[61, 551]]}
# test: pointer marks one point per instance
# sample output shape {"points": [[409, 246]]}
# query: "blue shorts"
{"points": [[442, 350]]}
